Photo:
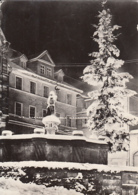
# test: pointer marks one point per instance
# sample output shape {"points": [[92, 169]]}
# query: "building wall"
{"points": [[80, 104], [119, 158], [66, 110], [36, 66], [133, 107], [37, 100], [26, 82], [133, 148]]}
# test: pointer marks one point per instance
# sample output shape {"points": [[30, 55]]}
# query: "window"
{"points": [[49, 72], [32, 112], [18, 109], [68, 121], [42, 69], [32, 87], [69, 97], [46, 91], [18, 83], [44, 113]]}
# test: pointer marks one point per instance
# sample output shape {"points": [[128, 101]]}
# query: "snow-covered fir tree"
{"points": [[107, 115]]}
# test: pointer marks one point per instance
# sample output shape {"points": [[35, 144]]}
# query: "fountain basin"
{"points": [[41, 147]]}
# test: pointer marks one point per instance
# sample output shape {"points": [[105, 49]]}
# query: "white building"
{"points": [[133, 153]]}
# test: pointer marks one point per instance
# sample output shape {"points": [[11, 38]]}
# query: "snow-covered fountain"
{"points": [[51, 122], [45, 144]]}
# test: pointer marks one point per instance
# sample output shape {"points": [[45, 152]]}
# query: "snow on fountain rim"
{"points": [[56, 137]]}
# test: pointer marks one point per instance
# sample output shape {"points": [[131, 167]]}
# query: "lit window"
{"points": [[49, 72], [69, 98], [32, 87], [32, 112], [42, 69], [46, 91], [18, 83], [18, 109]]}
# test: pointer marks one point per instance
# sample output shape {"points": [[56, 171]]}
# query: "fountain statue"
{"points": [[51, 121]]}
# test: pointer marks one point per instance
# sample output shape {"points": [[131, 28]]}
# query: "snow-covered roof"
{"points": [[42, 55], [84, 96], [60, 71], [134, 131], [15, 66], [21, 56], [84, 111]]}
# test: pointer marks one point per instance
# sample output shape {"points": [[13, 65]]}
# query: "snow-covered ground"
{"points": [[9, 186]]}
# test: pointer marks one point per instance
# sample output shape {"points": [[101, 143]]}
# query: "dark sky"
{"points": [[64, 28]]}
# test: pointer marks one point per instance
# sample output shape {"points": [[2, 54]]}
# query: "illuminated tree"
{"points": [[107, 110]]}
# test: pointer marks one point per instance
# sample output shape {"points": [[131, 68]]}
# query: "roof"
{"points": [[14, 65], [134, 131], [59, 71], [13, 54], [40, 58]]}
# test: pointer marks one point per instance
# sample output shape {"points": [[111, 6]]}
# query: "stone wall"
{"points": [[86, 178]]}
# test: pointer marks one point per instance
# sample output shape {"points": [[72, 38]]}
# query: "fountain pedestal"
{"points": [[51, 123]]}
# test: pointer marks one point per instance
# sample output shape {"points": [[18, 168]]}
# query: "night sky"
{"points": [[65, 29]]}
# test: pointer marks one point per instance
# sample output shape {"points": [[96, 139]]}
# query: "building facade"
{"points": [[133, 152], [30, 82]]}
